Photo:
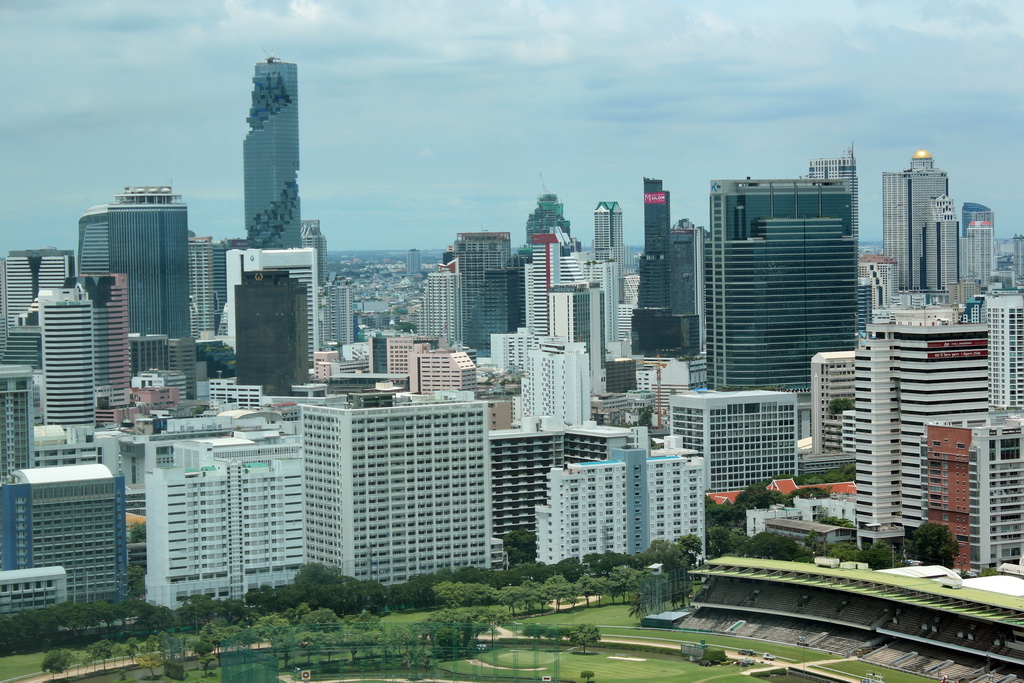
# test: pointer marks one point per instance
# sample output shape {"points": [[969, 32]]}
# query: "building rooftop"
{"points": [[53, 475]]}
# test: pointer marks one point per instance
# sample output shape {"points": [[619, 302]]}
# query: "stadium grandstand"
{"points": [[922, 620]]}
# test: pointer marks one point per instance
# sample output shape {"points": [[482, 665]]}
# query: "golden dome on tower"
{"points": [[922, 154]]}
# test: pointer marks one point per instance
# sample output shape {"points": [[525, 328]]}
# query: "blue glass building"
{"points": [[781, 280], [271, 158], [143, 234]]}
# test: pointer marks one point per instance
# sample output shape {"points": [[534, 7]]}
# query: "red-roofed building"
{"points": [[786, 487]]}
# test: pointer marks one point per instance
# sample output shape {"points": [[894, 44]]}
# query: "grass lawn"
{"points": [[606, 615], [405, 616], [653, 668], [858, 668], [13, 666]]}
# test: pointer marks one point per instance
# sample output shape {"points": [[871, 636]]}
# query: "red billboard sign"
{"points": [[654, 198], [953, 343]]}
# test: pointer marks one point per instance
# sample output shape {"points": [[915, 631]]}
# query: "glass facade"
{"points": [[271, 158], [780, 281]]}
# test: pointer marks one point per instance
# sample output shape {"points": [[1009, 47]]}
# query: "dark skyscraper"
{"points": [[272, 349], [271, 158], [479, 253], [654, 272], [686, 245], [781, 280], [143, 234], [546, 217]]}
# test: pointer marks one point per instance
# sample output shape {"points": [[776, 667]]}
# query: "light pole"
{"points": [[803, 652]]}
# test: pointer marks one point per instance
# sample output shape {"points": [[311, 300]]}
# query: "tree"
{"points": [[582, 635], [58, 661], [205, 661], [101, 650], [714, 655], [137, 532], [724, 541], [837, 406], [770, 546], [622, 580], [131, 648], [693, 550], [151, 661], [878, 555], [588, 676], [521, 547], [933, 544], [558, 588]]}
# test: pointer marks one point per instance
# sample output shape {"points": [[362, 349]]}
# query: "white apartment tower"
{"points": [[16, 418], [977, 253], [608, 274], [392, 492], [557, 381], [831, 378], [620, 505], [201, 299], [336, 313], [1005, 314], [744, 436], [907, 211], [844, 166], [577, 313], [510, 351], [68, 353], [442, 312], [920, 368], [550, 266], [228, 518]]}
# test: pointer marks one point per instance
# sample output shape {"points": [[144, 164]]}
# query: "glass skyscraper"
{"points": [[271, 158], [781, 280], [143, 234]]}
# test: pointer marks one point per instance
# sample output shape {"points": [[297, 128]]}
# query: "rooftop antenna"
{"points": [[270, 55]]}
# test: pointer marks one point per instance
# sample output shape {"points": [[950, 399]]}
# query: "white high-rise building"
{"points": [[608, 274], [831, 378], [977, 253], [557, 381], [336, 313], [509, 351], [919, 368], [68, 353], [16, 418], [550, 266], [228, 517], [577, 314], [620, 505], [608, 244], [907, 211], [201, 299], [313, 239], [300, 264], [882, 275], [744, 436], [844, 166], [441, 314], [1005, 314], [24, 273], [393, 492]]}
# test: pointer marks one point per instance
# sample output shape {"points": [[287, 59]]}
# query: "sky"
{"points": [[420, 119]]}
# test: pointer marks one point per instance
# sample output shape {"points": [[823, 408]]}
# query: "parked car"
{"points": [[745, 652], [768, 656]]}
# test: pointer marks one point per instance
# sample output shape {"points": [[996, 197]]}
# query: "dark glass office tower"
{"points": [[781, 280], [480, 253], [143, 234], [271, 158], [272, 349], [654, 272]]}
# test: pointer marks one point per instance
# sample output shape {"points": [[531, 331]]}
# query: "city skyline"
{"points": [[421, 122]]}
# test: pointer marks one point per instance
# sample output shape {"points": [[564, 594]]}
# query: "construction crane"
{"points": [[659, 409]]}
